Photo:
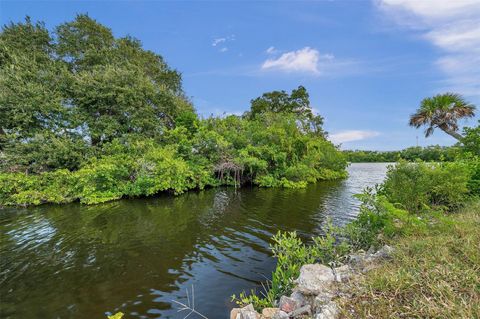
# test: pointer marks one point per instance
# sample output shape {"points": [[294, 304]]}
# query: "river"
{"points": [[137, 255]]}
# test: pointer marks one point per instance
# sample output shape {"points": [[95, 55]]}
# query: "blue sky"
{"points": [[366, 64]]}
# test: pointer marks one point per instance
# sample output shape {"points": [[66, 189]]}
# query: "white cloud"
{"points": [[223, 41], [271, 50], [304, 60], [452, 26], [351, 135], [217, 41]]}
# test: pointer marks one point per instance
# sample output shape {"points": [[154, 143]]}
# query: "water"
{"points": [[136, 256]]}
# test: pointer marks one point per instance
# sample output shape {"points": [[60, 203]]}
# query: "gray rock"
{"points": [[343, 273], [329, 311], [299, 298], [247, 312], [322, 299], [280, 315], [305, 310], [384, 253], [371, 250], [288, 304], [314, 278], [358, 258]]}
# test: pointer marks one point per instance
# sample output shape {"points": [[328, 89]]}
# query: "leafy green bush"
{"points": [[269, 151], [417, 186]]}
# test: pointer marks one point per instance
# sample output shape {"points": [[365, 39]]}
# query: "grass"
{"points": [[435, 273]]}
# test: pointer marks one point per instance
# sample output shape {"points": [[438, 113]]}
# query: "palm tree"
{"points": [[442, 111]]}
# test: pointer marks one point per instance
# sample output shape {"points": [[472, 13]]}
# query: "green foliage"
{"points": [[297, 102], [291, 254], [433, 153], [82, 81], [328, 249], [45, 152], [379, 221], [471, 140], [113, 118], [442, 111], [418, 186]]}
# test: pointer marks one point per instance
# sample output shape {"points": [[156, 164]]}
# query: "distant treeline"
{"points": [[434, 153]]}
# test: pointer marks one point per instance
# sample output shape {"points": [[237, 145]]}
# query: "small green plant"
{"points": [[330, 249], [291, 254]]}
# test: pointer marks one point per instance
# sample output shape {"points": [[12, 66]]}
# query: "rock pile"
{"points": [[318, 288]]}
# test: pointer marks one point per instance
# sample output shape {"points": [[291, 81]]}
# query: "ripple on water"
{"points": [[136, 256]]}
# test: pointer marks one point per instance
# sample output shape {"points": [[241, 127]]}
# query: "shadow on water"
{"points": [[135, 256]]}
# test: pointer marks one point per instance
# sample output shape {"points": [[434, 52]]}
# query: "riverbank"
{"points": [[416, 200], [431, 272], [434, 274]]}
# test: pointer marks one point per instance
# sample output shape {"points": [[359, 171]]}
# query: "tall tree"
{"points": [[80, 84], [118, 87], [442, 111], [297, 103], [30, 81]]}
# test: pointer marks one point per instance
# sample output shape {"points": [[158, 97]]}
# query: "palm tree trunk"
{"points": [[454, 134]]}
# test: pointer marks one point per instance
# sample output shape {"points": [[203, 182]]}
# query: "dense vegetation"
{"points": [[412, 207], [470, 143], [433, 153], [411, 202], [90, 117]]}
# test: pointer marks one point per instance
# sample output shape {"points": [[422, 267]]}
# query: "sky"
{"points": [[366, 64]]}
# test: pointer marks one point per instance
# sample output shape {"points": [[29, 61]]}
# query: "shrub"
{"points": [[416, 186]]}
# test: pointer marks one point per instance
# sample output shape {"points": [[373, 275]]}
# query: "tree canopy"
{"points": [[81, 80], [297, 103]]}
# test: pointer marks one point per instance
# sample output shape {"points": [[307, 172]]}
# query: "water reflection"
{"points": [[136, 256]]}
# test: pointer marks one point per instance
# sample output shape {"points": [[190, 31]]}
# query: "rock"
{"points": [[288, 304], [329, 311], [384, 253], [371, 250], [234, 313], [305, 310], [247, 312], [268, 313], [322, 299], [280, 315], [314, 278], [299, 298], [357, 259], [343, 273]]}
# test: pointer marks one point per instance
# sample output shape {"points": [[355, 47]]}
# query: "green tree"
{"points": [[118, 88], [471, 139], [31, 82], [442, 111], [297, 102], [80, 83]]}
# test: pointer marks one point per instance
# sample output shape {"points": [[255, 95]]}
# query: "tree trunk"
{"points": [[454, 134]]}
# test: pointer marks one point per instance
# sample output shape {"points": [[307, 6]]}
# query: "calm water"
{"points": [[136, 256]]}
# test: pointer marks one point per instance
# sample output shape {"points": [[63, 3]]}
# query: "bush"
{"points": [[417, 186]]}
